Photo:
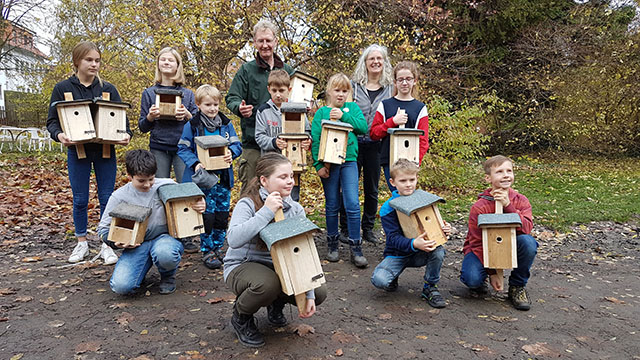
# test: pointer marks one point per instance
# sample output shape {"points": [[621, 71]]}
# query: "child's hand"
{"points": [[199, 205], [446, 228], [182, 113], [306, 144], [245, 110], [153, 114], [273, 202], [126, 140], [64, 140], [227, 157], [323, 172], [199, 166], [400, 118], [309, 309], [423, 244], [126, 246], [335, 114], [496, 282], [281, 143], [501, 195]]}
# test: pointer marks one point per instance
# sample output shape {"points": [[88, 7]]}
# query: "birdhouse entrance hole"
{"points": [[294, 148], [112, 114], [76, 113], [167, 98], [406, 144], [124, 223], [216, 151], [296, 250], [499, 239], [335, 140], [185, 209]]}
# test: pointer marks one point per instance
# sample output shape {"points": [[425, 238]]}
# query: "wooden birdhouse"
{"points": [[111, 121], [333, 141], [76, 121], [211, 151], [168, 101], [294, 254], [293, 117], [302, 87], [128, 223], [294, 151], [499, 243], [418, 213], [182, 220]]}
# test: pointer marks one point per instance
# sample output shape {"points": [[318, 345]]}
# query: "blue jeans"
{"points": [[343, 177], [391, 267], [473, 273], [387, 175], [217, 199], [164, 160], [79, 177], [165, 252]]}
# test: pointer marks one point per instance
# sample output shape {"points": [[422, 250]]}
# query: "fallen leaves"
{"points": [[91, 346], [23, 299], [224, 297], [339, 352], [385, 316], [31, 259], [55, 323], [124, 319], [48, 301], [614, 300], [7, 291], [304, 329], [540, 349], [344, 338]]}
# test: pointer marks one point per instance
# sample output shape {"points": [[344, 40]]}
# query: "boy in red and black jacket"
{"points": [[499, 174]]}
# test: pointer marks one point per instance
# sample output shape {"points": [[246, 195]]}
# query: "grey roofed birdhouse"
{"points": [[409, 131], [293, 117], [293, 107], [340, 124], [178, 191], [168, 101], [131, 212], [499, 219], [415, 201], [168, 92], [285, 229], [333, 141], [210, 141]]}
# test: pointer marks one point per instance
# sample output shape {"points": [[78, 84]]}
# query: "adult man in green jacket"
{"points": [[249, 90]]}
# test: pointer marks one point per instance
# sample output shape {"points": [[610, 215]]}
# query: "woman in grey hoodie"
{"points": [[248, 267]]}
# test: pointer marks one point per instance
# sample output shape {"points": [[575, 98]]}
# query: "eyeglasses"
{"points": [[407, 80]]}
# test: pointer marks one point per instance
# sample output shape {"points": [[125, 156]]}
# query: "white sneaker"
{"points": [[108, 256], [79, 252]]}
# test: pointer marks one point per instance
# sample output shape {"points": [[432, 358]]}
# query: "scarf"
{"points": [[211, 124]]}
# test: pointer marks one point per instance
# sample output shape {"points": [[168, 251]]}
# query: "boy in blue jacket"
{"points": [[401, 252], [209, 121]]}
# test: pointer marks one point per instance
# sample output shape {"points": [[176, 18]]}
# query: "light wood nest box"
{"points": [[302, 87], [211, 151], [294, 255], [111, 121], [294, 151], [333, 141], [499, 247], [404, 143], [182, 220], [168, 101], [418, 213], [128, 223], [293, 117], [76, 120]]}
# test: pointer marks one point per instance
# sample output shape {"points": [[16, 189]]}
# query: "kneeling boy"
{"points": [[499, 174], [401, 252], [158, 247]]}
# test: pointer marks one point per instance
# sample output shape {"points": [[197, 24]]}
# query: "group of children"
{"points": [[248, 267]]}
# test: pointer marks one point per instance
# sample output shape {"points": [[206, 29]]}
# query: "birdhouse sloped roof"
{"points": [[293, 107], [128, 211], [337, 124], [304, 76], [168, 92], [286, 229], [210, 141], [120, 104], [507, 219], [405, 131], [64, 103], [178, 191], [416, 201]]}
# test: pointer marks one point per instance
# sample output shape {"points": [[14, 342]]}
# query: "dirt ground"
{"points": [[585, 287]]}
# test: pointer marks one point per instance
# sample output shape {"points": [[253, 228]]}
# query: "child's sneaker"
{"points": [[190, 246], [519, 297], [393, 286], [212, 260], [167, 284], [108, 256], [79, 252], [433, 297]]}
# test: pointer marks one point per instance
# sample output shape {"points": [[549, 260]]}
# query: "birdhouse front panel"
{"points": [[297, 264], [126, 231], [499, 247], [302, 87], [333, 144], [294, 151], [213, 158], [182, 220], [293, 123], [111, 122], [76, 121], [423, 220], [168, 102], [404, 146]]}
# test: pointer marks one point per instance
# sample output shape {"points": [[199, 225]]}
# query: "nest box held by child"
{"points": [[111, 121], [302, 87], [294, 152], [168, 102], [75, 119], [293, 117], [418, 213], [211, 151], [294, 254], [333, 141], [404, 144], [182, 220], [499, 247], [128, 223]]}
